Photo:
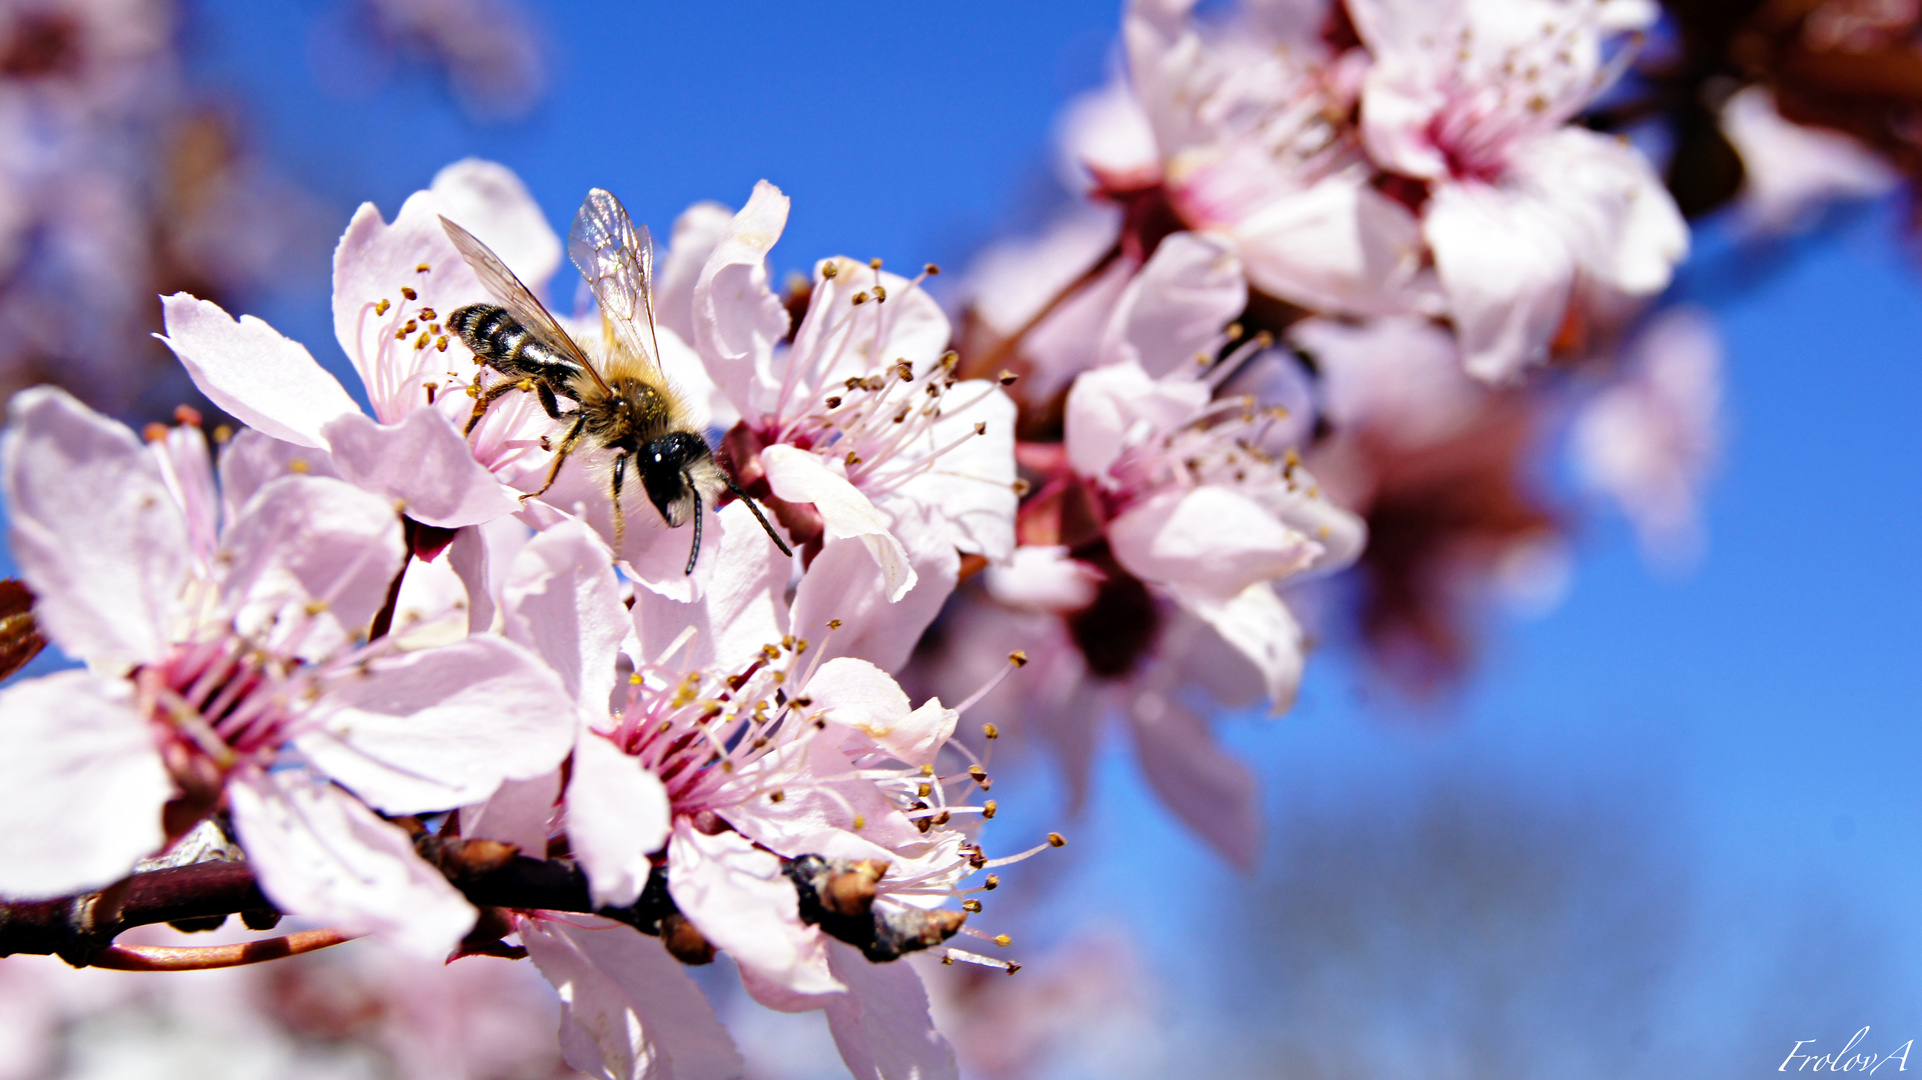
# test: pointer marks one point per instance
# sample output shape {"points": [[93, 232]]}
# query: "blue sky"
{"points": [[1758, 716]]}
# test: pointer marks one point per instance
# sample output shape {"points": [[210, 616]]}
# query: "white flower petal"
{"points": [[859, 695], [84, 785], [737, 318], [488, 200], [617, 815], [1208, 539], [1111, 406], [1261, 628], [439, 728], [1176, 307], [1204, 785], [309, 549], [742, 608], [247, 368], [520, 812], [320, 854], [1507, 269], [881, 1025], [697, 232], [736, 896], [422, 466], [562, 601], [629, 1011], [798, 476], [94, 530], [841, 584]]}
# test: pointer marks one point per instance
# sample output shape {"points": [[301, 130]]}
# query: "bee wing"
{"points": [[618, 262], [516, 297]]}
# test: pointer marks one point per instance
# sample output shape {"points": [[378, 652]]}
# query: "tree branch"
{"points": [[81, 929]]}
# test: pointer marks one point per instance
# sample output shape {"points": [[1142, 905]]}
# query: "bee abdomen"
{"points": [[498, 338]]}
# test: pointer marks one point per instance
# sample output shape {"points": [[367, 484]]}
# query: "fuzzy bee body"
{"points": [[623, 404]]}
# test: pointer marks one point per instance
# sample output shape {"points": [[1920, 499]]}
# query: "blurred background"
{"points": [[1665, 820]]}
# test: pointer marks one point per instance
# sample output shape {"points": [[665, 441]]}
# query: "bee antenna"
{"points": [[756, 511], [695, 552]]}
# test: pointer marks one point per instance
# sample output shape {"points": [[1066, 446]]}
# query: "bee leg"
{"points": [[546, 394], [488, 397], [620, 519], [568, 443], [771, 534], [695, 552]]}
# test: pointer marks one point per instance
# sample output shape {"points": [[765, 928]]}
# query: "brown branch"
{"points": [[207, 957], [80, 929]]}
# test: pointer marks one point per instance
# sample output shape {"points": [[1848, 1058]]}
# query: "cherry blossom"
{"points": [[1650, 441], [1789, 170], [874, 454], [229, 667], [1472, 100]]}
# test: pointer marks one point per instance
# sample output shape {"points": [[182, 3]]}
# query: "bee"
{"points": [[622, 401]]}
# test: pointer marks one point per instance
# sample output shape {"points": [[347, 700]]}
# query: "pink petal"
{"points": [[1109, 406], [881, 1025], [320, 854], [310, 550], [971, 487], [250, 370], [422, 466], [1507, 269], [253, 459], [1622, 223], [842, 584], [84, 785], [439, 728], [1176, 307], [742, 607], [1338, 245], [562, 602], [1044, 579], [94, 530], [861, 696], [373, 262], [488, 200], [628, 1009], [799, 476], [1207, 539], [735, 894], [697, 232], [469, 557], [617, 815], [1206, 787], [520, 812], [737, 319], [1260, 627]]}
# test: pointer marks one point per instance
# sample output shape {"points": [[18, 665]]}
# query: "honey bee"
{"points": [[622, 401]]}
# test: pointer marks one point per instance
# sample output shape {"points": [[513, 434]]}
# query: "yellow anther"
{"points": [[1018, 658], [381, 306], [409, 293], [990, 731], [993, 881], [1055, 839], [988, 808], [421, 269], [1003, 940], [299, 466], [971, 906]]}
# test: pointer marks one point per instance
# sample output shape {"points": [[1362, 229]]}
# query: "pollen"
{"points": [[1055, 839], [408, 292], [422, 268], [1018, 658], [990, 731]]}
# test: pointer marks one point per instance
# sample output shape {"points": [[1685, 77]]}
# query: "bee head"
{"points": [[664, 464]]}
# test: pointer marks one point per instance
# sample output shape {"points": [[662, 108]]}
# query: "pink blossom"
{"points": [[1650, 441], [900, 467], [1247, 118], [392, 283], [1789, 170], [1473, 98], [228, 661]]}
